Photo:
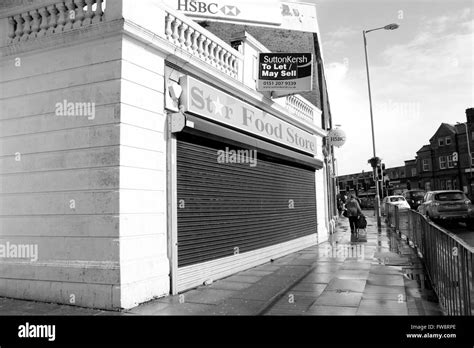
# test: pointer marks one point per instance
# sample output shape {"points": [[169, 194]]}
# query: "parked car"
{"points": [[414, 198], [400, 201], [448, 205]]}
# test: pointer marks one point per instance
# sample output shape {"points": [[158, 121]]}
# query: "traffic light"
{"points": [[379, 172]]}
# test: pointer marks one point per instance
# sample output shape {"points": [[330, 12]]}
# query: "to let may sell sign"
{"points": [[285, 72]]}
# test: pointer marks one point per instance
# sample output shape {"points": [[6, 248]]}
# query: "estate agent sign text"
{"points": [[291, 72]]}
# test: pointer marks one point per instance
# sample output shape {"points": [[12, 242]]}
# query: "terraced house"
{"points": [[112, 118]]}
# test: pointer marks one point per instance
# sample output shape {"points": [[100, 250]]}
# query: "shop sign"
{"points": [[232, 11], [201, 99], [281, 14], [336, 137], [287, 72]]}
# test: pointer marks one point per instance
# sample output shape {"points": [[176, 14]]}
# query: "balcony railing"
{"points": [[56, 18], [300, 108], [194, 39]]}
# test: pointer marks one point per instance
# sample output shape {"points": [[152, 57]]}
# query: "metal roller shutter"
{"points": [[233, 205]]}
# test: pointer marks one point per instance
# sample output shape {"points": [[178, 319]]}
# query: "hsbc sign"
{"points": [[213, 8], [282, 14], [244, 11]]}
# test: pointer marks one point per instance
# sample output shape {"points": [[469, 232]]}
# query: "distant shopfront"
{"points": [[242, 184]]}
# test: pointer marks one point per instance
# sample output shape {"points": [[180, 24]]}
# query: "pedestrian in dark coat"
{"points": [[353, 212]]}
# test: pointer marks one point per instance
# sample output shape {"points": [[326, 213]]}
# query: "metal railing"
{"points": [[448, 259]]}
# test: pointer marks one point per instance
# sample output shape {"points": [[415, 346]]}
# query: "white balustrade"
{"points": [[56, 18], [300, 107], [192, 38]]}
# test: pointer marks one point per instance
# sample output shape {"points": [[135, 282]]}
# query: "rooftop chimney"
{"points": [[470, 115]]}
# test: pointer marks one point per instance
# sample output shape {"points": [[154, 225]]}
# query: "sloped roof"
{"points": [[424, 148], [451, 128]]}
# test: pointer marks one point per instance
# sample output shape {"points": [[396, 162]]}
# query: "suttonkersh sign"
{"points": [[206, 101], [285, 72]]}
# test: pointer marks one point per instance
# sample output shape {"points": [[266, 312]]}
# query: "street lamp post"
{"points": [[470, 155], [392, 26]]}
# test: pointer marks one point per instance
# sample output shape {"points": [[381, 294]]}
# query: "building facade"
{"points": [[138, 158], [444, 164]]}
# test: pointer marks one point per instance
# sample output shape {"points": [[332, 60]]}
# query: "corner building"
{"points": [[131, 203]]}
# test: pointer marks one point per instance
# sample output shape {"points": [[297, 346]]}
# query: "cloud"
{"points": [[342, 33], [417, 86]]}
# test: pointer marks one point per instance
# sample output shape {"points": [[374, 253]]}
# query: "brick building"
{"points": [[443, 164]]}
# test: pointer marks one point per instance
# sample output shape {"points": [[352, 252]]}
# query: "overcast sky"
{"points": [[421, 74]]}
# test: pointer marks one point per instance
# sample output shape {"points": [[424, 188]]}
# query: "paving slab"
{"points": [[381, 307], [238, 307], [353, 285], [339, 299], [149, 308], [322, 278], [256, 272], [362, 265], [208, 296], [382, 296], [188, 309], [393, 270], [226, 285], [244, 279], [352, 274], [369, 288], [312, 288], [385, 280], [331, 310]]}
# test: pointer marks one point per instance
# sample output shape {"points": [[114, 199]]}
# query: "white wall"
{"points": [[63, 195], [144, 265]]}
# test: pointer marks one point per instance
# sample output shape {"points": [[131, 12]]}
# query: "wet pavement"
{"points": [[378, 274]]}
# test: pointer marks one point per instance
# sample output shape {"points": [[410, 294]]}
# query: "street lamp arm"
{"points": [[368, 31]]}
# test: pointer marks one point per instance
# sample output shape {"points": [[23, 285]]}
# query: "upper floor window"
{"points": [[442, 162], [450, 161], [426, 165], [441, 141], [447, 141], [413, 172]]}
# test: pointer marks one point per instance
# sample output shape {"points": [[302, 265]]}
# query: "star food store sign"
{"points": [[201, 99], [285, 72]]}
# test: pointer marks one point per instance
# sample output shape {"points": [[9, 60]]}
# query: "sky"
{"points": [[421, 74]]}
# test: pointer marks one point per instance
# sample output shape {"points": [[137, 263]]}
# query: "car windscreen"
{"points": [[416, 195], [396, 199], [450, 196]]}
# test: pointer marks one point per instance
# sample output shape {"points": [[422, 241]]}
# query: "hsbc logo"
{"points": [[203, 7]]}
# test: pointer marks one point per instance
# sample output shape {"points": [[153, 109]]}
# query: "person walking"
{"points": [[353, 212]]}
